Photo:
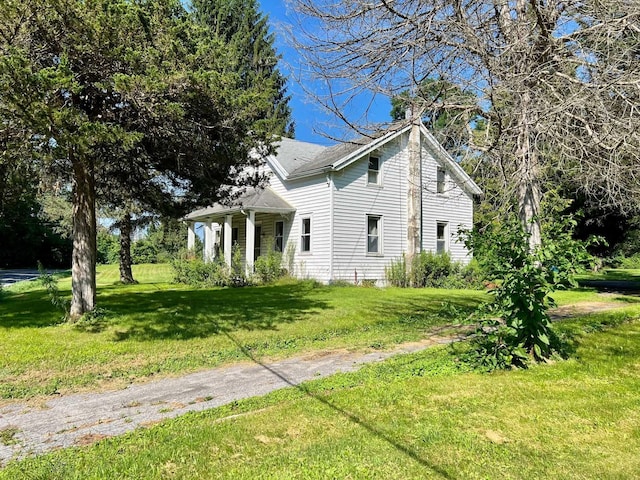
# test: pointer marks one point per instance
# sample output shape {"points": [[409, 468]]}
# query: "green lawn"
{"points": [[413, 417], [158, 328], [614, 274]]}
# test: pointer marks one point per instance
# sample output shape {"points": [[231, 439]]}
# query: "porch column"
{"points": [[215, 232], [227, 239], [251, 240], [191, 236], [208, 241]]}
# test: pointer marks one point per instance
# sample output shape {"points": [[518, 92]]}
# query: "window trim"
{"points": [[445, 236], [303, 234], [275, 236], [380, 251], [378, 171]]}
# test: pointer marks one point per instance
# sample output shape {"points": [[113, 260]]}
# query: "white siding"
{"points": [[453, 207], [354, 200], [310, 198]]}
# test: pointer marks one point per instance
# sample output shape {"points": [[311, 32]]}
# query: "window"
{"points": [[305, 238], [373, 234], [373, 174], [441, 237], [440, 180], [278, 238], [234, 236]]}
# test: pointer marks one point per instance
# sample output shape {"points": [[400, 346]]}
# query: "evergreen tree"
{"points": [[246, 33], [128, 96]]}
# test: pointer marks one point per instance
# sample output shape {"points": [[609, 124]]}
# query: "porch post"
{"points": [[191, 236], [215, 231], [227, 239], [251, 240], [208, 241]]}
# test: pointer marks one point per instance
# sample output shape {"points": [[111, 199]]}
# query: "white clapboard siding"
{"points": [[354, 200], [454, 207], [310, 198]]}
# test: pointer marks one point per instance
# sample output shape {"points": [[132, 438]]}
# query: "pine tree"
{"points": [[128, 97]]}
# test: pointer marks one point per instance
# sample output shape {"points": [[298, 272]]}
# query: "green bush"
{"points": [[434, 270], [196, 273], [268, 268], [626, 262], [522, 297], [144, 251]]}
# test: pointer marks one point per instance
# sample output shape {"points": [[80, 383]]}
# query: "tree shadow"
{"points": [[374, 430], [31, 309], [186, 314]]}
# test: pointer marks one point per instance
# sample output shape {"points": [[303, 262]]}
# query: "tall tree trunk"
{"points": [[414, 191], [528, 177], [83, 258], [126, 275]]}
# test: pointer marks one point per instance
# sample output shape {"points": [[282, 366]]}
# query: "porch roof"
{"points": [[259, 200]]}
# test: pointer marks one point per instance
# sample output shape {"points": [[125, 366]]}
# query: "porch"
{"points": [[257, 221]]}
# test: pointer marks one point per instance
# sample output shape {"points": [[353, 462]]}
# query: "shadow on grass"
{"points": [[370, 427], [435, 308], [28, 310], [185, 314]]}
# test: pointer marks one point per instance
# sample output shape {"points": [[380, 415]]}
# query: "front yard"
{"points": [[423, 415], [158, 328]]}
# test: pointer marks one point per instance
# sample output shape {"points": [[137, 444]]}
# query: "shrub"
{"points": [[436, 270], [197, 273], [268, 268], [521, 300]]}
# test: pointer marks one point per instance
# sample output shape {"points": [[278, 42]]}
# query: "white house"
{"points": [[340, 213]]}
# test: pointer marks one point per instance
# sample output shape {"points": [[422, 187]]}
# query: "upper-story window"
{"points": [[441, 178], [373, 173]]}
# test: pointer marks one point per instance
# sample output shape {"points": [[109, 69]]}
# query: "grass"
{"points": [[415, 416], [614, 274], [157, 328]]}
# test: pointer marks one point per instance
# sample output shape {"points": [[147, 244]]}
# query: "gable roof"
{"points": [[297, 159]]}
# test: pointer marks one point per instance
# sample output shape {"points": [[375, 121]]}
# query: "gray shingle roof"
{"points": [[257, 199]]}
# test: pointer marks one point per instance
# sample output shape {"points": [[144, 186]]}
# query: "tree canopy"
{"points": [[557, 82], [114, 94]]}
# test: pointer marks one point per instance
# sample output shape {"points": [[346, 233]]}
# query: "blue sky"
{"points": [[309, 118]]}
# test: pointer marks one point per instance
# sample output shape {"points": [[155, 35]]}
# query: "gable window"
{"points": [[278, 237], [440, 180], [441, 237], [374, 237], [305, 237], [373, 173]]}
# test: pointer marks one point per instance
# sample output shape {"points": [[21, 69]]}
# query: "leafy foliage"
{"points": [[436, 270], [268, 268], [50, 283], [521, 295]]}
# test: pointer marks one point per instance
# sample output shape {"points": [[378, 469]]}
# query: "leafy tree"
{"points": [[135, 94], [557, 81]]}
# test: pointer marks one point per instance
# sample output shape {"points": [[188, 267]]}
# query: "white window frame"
{"points": [[379, 252], [276, 236], [445, 237], [303, 234], [441, 180], [378, 171]]}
